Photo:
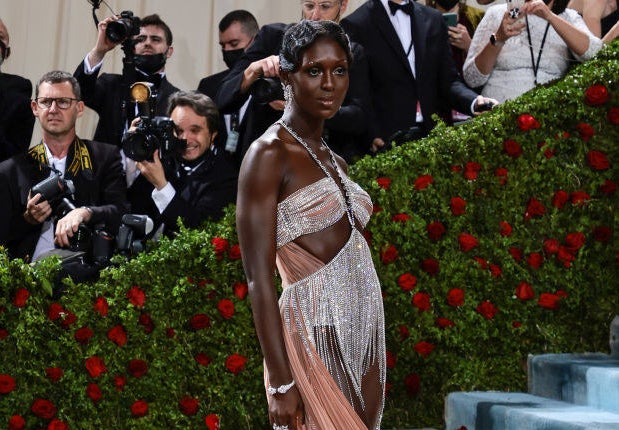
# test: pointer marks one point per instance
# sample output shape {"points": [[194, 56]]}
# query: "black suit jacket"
{"points": [[104, 192], [346, 129], [107, 95], [200, 196], [394, 90], [16, 118], [209, 87]]}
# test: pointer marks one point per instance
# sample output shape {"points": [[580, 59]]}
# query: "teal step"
{"points": [[590, 379], [520, 411]]}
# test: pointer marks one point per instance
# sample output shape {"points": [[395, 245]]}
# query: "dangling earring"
{"points": [[288, 93]]}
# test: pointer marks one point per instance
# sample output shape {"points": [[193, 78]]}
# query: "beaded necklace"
{"points": [[346, 193]]}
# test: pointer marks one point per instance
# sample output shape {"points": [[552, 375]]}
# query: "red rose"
{"points": [[516, 324], [55, 311], [101, 306], [423, 182], [95, 366], [608, 187], [136, 296], [435, 230], [535, 209], [94, 392], [549, 153], [501, 173], [21, 297], [413, 384], [458, 206], [170, 333], [118, 335], [560, 199], [376, 209], [139, 408], [83, 335], [565, 256], [212, 422], [579, 198], [495, 270], [467, 242], [455, 297], [596, 95], [220, 246], [383, 182], [597, 160], [585, 130], [68, 319], [225, 308], [235, 363], [202, 359], [505, 229], [430, 266], [524, 291], [389, 254], [602, 233], [535, 260], [199, 321], [424, 348], [43, 408], [421, 301], [471, 170], [549, 301], [483, 263], [551, 246], [240, 290], [527, 122], [402, 217], [189, 405], [56, 424], [3, 334], [147, 322], [17, 422], [119, 382], [574, 241], [407, 282], [54, 373], [613, 115], [137, 368], [7, 384], [235, 252], [404, 333], [512, 148], [487, 310], [516, 253], [444, 323], [391, 360]]}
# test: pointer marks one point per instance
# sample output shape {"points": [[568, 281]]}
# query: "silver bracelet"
{"points": [[282, 389]]}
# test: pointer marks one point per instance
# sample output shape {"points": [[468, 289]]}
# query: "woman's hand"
{"points": [[537, 7], [287, 410], [459, 37], [509, 27]]}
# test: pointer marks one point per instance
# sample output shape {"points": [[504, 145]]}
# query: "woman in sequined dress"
{"points": [[300, 215]]}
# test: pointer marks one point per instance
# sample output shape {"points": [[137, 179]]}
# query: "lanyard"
{"points": [[541, 47]]}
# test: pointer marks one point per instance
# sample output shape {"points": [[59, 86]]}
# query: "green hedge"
{"points": [[493, 240]]}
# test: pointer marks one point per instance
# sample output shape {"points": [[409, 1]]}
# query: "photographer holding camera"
{"points": [[147, 44], [80, 183], [184, 175]]}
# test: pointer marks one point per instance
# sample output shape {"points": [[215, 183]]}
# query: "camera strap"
{"points": [[78, 156], [535, 64]]}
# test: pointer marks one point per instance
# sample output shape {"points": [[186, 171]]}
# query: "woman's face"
{"points": [[320, 84]]}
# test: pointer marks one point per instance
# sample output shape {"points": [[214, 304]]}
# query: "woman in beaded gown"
{"points": [[300, 215]]}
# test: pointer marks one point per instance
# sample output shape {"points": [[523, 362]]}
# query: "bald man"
{"points": [[16, 119]]}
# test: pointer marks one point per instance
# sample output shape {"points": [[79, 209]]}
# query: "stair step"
{"points": [[590, 379], [518, 411]]}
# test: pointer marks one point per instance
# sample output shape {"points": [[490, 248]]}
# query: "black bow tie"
{"points": [[406, 8]]}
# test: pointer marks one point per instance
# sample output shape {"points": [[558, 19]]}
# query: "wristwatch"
{"points": [[495, 42]]}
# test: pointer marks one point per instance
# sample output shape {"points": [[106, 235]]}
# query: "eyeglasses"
{"points": [[61, 102], [324, 6]]}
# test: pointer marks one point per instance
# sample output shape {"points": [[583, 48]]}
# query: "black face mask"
{"points": [[447, 4], [149, 64], [232, 56]]}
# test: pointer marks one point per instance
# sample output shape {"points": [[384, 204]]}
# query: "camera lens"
{"points": [[265, 90], [118, 30], [139, 146]]}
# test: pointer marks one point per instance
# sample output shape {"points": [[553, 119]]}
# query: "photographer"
{"points": [[147, 47], [344, 133], [194, 184], [31, 226]]}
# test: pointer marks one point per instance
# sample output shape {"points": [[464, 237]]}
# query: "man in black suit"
{"points": [[412, 72], [30, 225], [16, 119], [346, 130], [108, 94], [236, 33], [201, 182]]}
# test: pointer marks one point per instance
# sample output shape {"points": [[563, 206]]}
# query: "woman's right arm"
{"points": [[261, 176]]}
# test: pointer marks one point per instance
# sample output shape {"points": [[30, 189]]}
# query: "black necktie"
{"points": [[406, 8]]}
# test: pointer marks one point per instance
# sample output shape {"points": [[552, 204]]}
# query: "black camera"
{"points": [[150, 135], [123, 28], [133, 233], [53, 189], [265, 90]]}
